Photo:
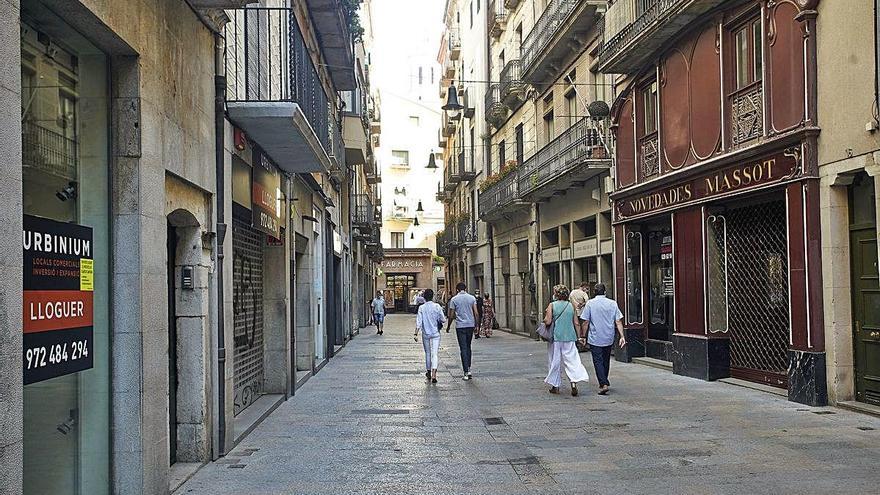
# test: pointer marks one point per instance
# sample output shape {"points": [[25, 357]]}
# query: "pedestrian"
{"points": [[579, 298], [429, 321], [420, 299], [463, 310], [378, 305], [488, 317], [478, 296], [562, 351], [600, 317]]}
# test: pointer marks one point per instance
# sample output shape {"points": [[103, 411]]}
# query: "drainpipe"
{"points": [[220, 171]]}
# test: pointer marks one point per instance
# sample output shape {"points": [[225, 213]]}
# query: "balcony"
{"points": [[452, 175], [444, 240], [575, 156], [364, 215], [497, 18], [330, 22], [447, 125], [513, 88], [636, 29], [549, 42], [449, 69], [273, 91], [467, 170], [500, 197], [48, 151], [441, 139], [454, 44], [466, 231], [496, 112], [442, 195]]}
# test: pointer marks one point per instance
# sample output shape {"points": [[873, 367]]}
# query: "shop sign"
{"points": [[396, 264], [58, 297], [550, 255], [585, 248], [725, 182], [266, 196]]}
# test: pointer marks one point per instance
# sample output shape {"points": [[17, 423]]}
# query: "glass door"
{"points": [[661, 289]]}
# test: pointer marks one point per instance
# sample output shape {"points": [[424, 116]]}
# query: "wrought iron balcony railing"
{"points": [[452, 174], [448, 125], [513, 88], [48, 151], [500, 196], [646, 26], [454, 43], [365, 212], [444, 241], [497, 18], [567, 155], [267, 61], [545, 29], [496, 112], [467, 170], [466, 231]]}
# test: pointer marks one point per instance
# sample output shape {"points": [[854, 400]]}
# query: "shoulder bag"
{"points": [[546, 332]]}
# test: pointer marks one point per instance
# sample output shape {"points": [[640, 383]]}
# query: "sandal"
{"points": [[554, 390], [574, 390]]}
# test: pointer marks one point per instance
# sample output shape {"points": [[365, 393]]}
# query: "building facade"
{"points": [[176, 184], [542, 193], [716, 202]]}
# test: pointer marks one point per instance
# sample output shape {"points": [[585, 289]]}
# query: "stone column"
{"points": [[276, 320], [10, 245]]}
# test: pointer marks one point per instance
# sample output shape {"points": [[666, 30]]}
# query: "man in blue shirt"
{"points": [[463, 309], [600, 317], [378, 306]]}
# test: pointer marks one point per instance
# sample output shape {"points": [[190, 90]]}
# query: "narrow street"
{"points": [[369, 423]]}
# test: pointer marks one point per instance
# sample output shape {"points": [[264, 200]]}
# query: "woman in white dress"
{"points": [[562, 351]]}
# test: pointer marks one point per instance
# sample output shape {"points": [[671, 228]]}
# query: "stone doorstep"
{"points": [[254, 414], [301, 379], [181, 472], [654, 363], [860, 407], [755, 386]]}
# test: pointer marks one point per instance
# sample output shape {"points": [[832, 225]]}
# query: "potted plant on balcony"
{"points": [[509, 167]]}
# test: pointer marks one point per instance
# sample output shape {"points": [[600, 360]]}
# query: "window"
{"points": [[478, 6], [520, 148], [549, 127], [571, 107], [432, 75], [519, 35], [420, 76], [747, 43], [397, 239], [414, 120], [502, 158], [400, 158], [649, 100], [471, 8]]}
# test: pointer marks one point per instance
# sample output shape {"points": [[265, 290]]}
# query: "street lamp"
{"points": [[452, 106], [415, 221], [419, 207], [432, 162]]}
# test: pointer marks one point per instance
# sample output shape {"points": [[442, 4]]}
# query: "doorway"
{"points": [[865, 288], [400, 286], [660, 282], [172, 343]]}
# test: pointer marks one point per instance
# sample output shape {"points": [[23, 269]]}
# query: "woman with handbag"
{"points": [[561, 321], [429, 321]]}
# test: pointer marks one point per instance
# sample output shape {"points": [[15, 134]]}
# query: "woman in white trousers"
{"points": [[562, 352], [429, 321]]}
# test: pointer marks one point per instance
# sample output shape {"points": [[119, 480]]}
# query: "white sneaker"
{"points": [[466, 377], [469, 376]]}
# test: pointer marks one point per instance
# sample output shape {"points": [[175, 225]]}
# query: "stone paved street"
{"points": [[368, 423]]}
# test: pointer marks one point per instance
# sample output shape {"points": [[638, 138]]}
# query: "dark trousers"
{"points": [[601, 362], [465, 338]]}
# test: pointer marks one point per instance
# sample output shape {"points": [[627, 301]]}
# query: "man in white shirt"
{"points": [[600, 317], [463, 309], [429, 321], [378, 306]]}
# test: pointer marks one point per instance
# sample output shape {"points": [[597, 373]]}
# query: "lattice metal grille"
{"points": [[650, 156], [748, 115], [247, 280], [758, 287]]}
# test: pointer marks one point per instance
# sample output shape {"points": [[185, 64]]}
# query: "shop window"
{"points": [[717, 269], [634, 277]]}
